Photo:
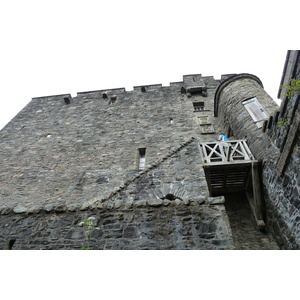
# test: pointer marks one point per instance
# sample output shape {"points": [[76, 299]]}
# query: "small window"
{"points": [[256, 110], [67, 100], [198, 106], [113, 99], [142, 158]]}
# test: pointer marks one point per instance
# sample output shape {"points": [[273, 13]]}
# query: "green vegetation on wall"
{"points": [[293, 88]]}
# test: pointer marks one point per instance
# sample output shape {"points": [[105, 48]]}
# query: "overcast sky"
{"points": [[56, 47]]}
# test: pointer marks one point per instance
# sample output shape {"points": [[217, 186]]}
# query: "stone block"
{"points": [[49, 207], [216, 200], [75, 234], [130, 232], [19, 209], [155, 202]]}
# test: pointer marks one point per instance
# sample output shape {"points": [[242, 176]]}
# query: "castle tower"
{"points": [[130, 159]]}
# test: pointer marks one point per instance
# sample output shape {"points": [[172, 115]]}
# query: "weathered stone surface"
{"points": [[164, 227], [130, 232], [49, 207], [75, 234], [118, 203], [20, 209], [155, 202], [275, 146], [81, 158], [34, 209], [97, 148], [216, 200]]}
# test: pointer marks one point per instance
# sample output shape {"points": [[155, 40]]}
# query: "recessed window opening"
{"points": [[171, 121], [255, 110], [196, 93], [200, 90], [113, 99], [143, 89], [104, 95], [67, 100], [198, 106], [142, 158]]}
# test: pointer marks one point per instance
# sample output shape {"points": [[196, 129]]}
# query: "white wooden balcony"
{"points": [[216, 153], [231, 167]]}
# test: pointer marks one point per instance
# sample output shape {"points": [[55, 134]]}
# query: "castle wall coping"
{"points": [[135, 88], [189, 75], [53, 96], [176, 83], [158, 85], [121, 90], [225, 76]]}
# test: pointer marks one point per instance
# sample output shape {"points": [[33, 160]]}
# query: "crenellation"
{"points": [[145, 88], [98, 92], [54, 97], [176, 84]]}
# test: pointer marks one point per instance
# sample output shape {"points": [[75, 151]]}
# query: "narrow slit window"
{"points": [[10, 244], [255, 110], [142, 158]]}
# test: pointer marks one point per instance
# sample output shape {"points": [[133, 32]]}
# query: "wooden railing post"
{"points": [[258, 207]]}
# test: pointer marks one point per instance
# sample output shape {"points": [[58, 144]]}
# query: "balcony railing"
{"points": [[225, 152]]}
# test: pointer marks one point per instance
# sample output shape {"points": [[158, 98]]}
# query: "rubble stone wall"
{"points": [[66, 158], [153, 228]]}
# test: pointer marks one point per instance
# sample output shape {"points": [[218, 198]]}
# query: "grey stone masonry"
{"points": [[153, 228], [282, 179], [130, 159], [61, 151]]}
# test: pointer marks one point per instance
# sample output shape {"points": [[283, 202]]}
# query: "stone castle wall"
{"points": [[132, 161], [282, 179], [62, 157], [283, 200], [141, 228], [54, 152]]}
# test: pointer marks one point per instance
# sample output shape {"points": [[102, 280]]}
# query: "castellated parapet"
{"points": [[130, 159]]}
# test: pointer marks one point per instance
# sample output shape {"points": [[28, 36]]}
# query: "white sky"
{"points": [[56, 47]]}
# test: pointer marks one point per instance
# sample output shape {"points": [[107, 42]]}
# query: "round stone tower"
{"points": [[242, 105]]}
